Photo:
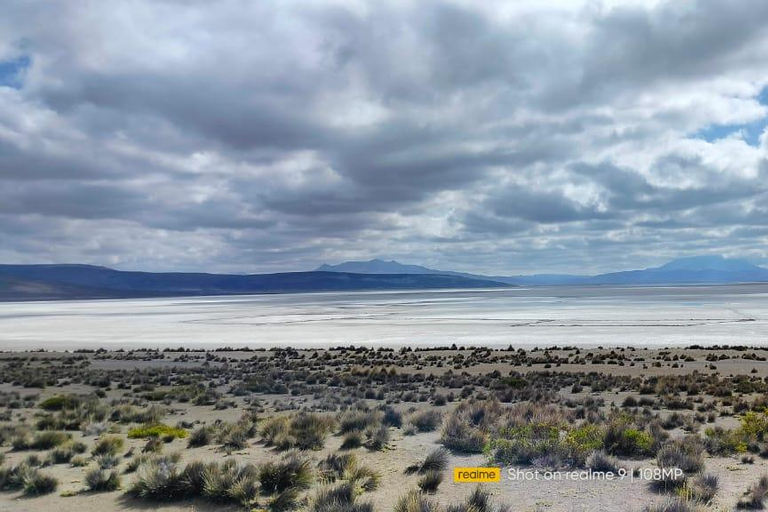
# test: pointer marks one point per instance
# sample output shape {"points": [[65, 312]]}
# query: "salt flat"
{"points": [[588, 316]]}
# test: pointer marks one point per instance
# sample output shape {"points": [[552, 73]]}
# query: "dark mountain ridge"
{"points": [[42, 282]]}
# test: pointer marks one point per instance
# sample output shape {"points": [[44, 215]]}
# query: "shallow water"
{"points": [[541, 316]]}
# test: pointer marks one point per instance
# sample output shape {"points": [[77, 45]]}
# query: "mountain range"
{"points": [[692, 270], [52, 282], [55, 282]]}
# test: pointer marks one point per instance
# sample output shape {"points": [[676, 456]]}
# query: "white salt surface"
{"points": [[585, 316]]}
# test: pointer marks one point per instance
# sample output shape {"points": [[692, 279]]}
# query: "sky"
{"points": [[496, 137]]}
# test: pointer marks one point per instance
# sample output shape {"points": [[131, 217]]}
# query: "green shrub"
{"points": [[157, 430], [624, 440], [60, 403]]}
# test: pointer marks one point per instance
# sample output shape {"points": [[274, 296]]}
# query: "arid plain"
{"points": [[383, 429]]}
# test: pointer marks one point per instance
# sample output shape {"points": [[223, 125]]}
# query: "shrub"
{"points": [[624, 440], [59, 403], [157, 430], [108, 445], [426, 420], [415, 501], [200, 437], [309, 431], [755, 495], [430, 481], [367, 479], [157, 479], [293, 471], [36, 483], [686, 455], [107, 461], [334, 467], [338, 499], [153, 445], [437, 460], [378, 439], [230, 482], [285, 501], [358, 420], [49, 439], [275, 428], [719, 441], [102, 480], [703, 487], [352, 440], [12, 478], [458, 435], [601, 461], [79, 461], [392, 418]]}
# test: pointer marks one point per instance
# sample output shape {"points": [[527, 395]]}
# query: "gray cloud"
{"points": [[498, 137]]}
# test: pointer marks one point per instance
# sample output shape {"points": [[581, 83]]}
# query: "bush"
{"points": [[719, 441], [601, 461], [108, 445], [157, 430], [36, 483], [49, 439], [430, 481], [293, 471], [415, 501], [12, 479], [458, 435], [358, 420], [107, 461], [426, 421], [230, 482], [102, 480], [686, 455], [334, 467], [157, 480], [341, 498], [437, 460], [754, 498], [200, 437], [624, 440], [352, 440], [703, 488], [285, 501], [59, 403], [367, 479], [378, 439]]}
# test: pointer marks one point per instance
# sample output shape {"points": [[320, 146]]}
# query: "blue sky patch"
{"points": [[12, 71], [751, 130]]}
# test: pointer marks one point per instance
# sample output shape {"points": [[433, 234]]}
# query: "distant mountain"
{"points": [[693, 270], [51, 282], [376, 266]]}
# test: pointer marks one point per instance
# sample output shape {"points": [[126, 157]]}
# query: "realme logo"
{"points": [[476, 474]]}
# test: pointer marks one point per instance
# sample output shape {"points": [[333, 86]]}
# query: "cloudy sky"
{"points": [[510, 137]]}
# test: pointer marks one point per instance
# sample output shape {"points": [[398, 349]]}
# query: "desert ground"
{"points": [[363, 429]]}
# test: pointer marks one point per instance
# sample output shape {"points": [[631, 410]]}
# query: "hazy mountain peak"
{"points": [[377, 266], [709, 262]]}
